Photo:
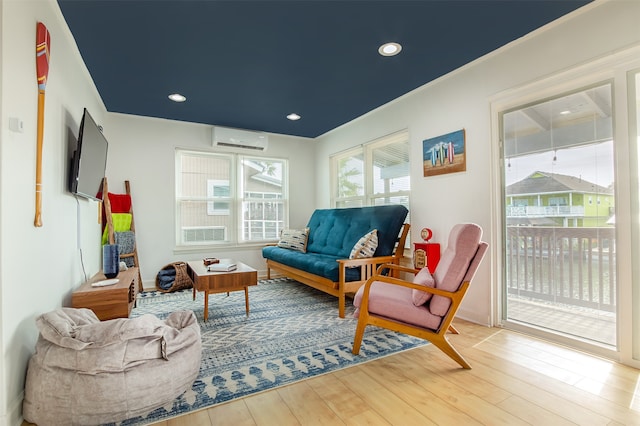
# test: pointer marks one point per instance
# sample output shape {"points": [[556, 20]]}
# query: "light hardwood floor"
{"points": [[515, 380]]}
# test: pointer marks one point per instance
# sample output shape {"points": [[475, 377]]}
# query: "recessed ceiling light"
{"points": [[177, 97], [389, 49], [565, 112], [293, 116]]}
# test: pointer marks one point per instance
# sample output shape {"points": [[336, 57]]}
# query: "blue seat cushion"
{"points": [[318, 264]]}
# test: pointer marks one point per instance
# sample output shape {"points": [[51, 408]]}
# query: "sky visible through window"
{"points": [[594, 163]]}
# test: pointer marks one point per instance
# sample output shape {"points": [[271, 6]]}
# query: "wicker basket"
{"points": [[182, 280]]}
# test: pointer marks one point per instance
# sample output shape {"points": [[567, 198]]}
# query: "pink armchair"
{"points": [[426, 306]]}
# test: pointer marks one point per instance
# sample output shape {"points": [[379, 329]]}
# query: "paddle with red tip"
{"points": [[43, 49]]}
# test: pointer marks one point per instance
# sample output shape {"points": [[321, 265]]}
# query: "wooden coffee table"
{"points": [[221, 282]]}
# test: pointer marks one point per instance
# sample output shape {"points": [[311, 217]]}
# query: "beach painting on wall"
{"points": [[444, 154]]}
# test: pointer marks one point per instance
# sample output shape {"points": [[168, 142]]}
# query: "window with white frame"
{"points": [[373, 174], [226, 199], [264, 205]]}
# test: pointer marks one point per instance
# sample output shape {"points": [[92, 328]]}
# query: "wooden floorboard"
{"points": [[515, 380]]}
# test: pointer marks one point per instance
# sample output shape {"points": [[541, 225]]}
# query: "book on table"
{"points": [[222, 267]]}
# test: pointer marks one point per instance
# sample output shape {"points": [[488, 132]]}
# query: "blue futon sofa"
{"points": [[326, 260]]}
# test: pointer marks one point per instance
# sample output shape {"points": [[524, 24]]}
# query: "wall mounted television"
{"points": [[89, 161]]}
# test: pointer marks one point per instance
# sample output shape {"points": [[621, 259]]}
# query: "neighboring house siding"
{"points": [[557, 203]]}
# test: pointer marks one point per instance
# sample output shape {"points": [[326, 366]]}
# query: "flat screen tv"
{"points": [[89, 161]]}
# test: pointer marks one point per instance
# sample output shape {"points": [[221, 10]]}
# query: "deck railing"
{"points": [[545, 211], [573, 266]]}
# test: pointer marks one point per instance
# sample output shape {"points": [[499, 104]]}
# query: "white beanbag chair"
{"points": [[87, 372]]}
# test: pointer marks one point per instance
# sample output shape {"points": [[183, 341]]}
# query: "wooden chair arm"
{"points": [[366, 261], [396, 267], [367, 266], [396, 281]]}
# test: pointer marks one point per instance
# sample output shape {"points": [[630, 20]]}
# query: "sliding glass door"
{"points": [[634, 134], [559, 215]]}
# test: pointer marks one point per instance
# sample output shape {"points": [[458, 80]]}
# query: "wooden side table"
{"points": [[113, 301], [221, 282]]}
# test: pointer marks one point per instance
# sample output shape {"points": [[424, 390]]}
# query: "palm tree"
{"points": [[347, 186]]}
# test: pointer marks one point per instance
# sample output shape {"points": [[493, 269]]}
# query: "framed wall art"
{"points": [[444, 154]]}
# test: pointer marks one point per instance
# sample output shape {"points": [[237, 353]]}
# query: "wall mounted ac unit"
{"points": [[226, 137]]}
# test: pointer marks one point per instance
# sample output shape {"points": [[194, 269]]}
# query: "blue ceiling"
{"points": [[248, 64]]}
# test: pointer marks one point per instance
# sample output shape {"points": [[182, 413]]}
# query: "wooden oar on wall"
{"points": [[43, 49]]}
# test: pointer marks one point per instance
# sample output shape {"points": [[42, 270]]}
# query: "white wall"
{"points": [[142, 151], [462, 100], [39, 266]]}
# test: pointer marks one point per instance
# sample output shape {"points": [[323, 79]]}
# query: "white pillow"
{"points": [[294, 239], [366, 246]]}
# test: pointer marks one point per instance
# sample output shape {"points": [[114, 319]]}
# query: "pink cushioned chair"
{"points": [[425, 306]]}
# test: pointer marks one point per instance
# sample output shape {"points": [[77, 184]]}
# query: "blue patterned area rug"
{"points": [[292, 333]]}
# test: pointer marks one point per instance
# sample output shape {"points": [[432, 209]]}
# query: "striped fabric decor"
{"points": [[126, 242], [294, 239], [366, 246], [121, 223]]}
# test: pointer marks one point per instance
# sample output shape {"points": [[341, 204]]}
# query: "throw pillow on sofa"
{"points": [[366, 246], [294, 239]]}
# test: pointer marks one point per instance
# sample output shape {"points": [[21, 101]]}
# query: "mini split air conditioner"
{"points": [[226, 137]]}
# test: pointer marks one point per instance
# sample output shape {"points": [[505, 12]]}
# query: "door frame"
{"points": [[614, 68]]}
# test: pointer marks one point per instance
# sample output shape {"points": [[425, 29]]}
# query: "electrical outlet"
{"points": [[16, 125]]}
